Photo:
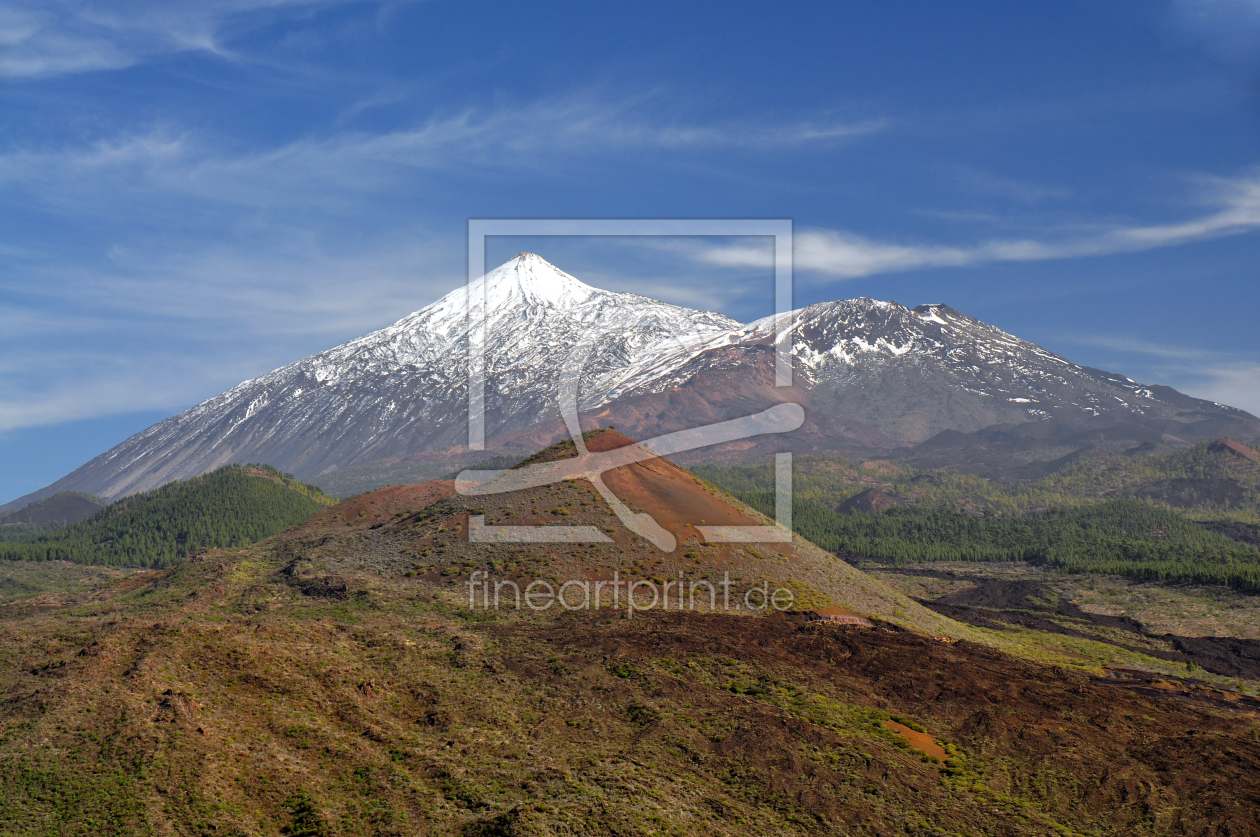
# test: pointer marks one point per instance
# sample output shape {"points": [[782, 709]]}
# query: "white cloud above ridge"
{"points": [[346, 172], [162, 328], [845, 255], [1011, 188], [116, 387], [1227, 378]]}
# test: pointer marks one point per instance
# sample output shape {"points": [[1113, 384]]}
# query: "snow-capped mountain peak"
{"points": [[405, 387], [530, 278], [875, 370]]}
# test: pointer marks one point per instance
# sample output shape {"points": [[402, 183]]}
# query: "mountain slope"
{"points": [[404, 388], [872, 375], [949, 371], [876, 376], [50, 513], [231, 506], [58, 510], [334, 680], [435, 544]]}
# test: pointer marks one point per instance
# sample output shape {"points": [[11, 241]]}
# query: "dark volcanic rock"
{"points": [[870, 500], [1242, 532], [1187, 492], [996, 603], [1222, 655]]}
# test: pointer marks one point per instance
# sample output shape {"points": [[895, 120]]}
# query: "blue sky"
{"points": [[193, 193]]}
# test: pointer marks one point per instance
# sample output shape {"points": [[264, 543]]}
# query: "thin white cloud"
{"points": [[162, 327], [1227, 29], [263, 256], [294, 287], [321, 173], [286, 286], [1138, 345], [355, 175], [1237, 385], [114, 386], [1023, 191], [33, 44], [41, 39], [845, 255], [1224, 377]]}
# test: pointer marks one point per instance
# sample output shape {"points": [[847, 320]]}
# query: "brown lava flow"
{"points": [[999, 603], [1082, 751]]}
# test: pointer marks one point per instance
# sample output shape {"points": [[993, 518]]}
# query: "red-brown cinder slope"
{"points": [[1235, 447], [422, 532], [369, 509]]}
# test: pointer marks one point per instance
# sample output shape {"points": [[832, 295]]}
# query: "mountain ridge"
{"points": [[873, 376]]}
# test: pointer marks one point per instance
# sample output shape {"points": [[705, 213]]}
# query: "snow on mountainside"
{"points": [[920, 371], [897, 376], [871, 373], [404, 388]]}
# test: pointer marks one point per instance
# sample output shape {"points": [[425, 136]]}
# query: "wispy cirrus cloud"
{"points": [[260, 255], [1012, 188], [32, 43], [344, 172], [526, 135], [42, 39], [1225, 377], [109, 385], [1235, 209], [166, 328], [1227, 29]]}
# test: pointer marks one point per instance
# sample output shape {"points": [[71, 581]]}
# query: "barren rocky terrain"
{"points": [[334, 680]]}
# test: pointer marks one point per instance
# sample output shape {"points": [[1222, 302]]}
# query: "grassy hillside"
{"points": [[232, 506], [333, 681]]}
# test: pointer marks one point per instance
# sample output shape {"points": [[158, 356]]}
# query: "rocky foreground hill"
{"points": [[335, 680]]}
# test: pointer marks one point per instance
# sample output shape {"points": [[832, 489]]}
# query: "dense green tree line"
{"points": [[1120, 537], [1073, 519], [233, 506], [24, 531], [1102, 474]]}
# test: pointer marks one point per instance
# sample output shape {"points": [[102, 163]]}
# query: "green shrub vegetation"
{"points": [[1098, 475], [1116, 537], [1069, 520], [233, 506], [24, 531]]}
